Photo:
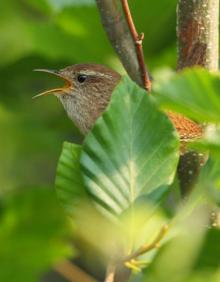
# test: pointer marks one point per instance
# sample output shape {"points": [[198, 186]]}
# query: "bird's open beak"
{"points": [[64, 89]]}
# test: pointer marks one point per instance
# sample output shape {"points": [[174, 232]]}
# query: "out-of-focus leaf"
{"points": [[150, 16], [64, 30], [183, 247], [208, 258], [69, 185], [209, 180], [131, 151], [34, 235], [32, 131], [194, 93], [75, 201], [29, 28], [210, 141], [204, 276], [13, 33], [73, 197], [61, 4]]}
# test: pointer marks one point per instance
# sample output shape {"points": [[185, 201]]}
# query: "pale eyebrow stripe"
{"points": [[88, 72]]}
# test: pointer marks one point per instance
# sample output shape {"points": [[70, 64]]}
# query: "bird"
{"points": [[87, 92]]}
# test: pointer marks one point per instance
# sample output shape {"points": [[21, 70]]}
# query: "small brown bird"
{"points": [[88, 90], [86, 93]]}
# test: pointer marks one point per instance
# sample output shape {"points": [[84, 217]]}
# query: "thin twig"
{"points": [[72, 272], [138, 39], [146, 248]]}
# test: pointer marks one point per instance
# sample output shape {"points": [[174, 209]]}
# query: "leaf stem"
{"points": [[148, 247]]}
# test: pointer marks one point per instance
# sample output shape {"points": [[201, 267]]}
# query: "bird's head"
{"points": [[86, 92]]}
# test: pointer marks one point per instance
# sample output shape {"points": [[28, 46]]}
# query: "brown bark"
{"points": [[198, 39], [72, 272], [198, 33], [118, 32]]}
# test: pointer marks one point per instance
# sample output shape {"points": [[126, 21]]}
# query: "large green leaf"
{"points": [[34, 235], [194, 93], [75, 201], [69, 185], [131, 151]]}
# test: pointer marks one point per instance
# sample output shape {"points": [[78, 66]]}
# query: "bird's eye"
{"points": [[81, 78]]}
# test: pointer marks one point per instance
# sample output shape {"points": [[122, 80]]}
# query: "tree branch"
{"points": [[110, 272], [118, 30], [72, 272], [198, 38], [198, 34]]}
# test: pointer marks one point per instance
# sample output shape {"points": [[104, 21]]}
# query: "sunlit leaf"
{"points": [[131, 151]]}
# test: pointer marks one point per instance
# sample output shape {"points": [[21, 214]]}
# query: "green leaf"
{"points": [[75, 201], [176, 258], [209, 180], [69, 185], [210, 141], [194, 93], [208, 257], [34, 235], [131, 151], [71, 193]]}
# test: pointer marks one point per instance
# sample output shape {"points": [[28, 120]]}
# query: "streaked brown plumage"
{"points": [[187, 129], [87, 93]]}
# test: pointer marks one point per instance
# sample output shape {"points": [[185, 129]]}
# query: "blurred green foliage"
{"points": [[34, 232], [33, 235], [49, 34], [53, 34]]}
